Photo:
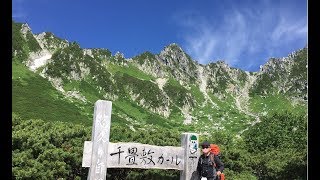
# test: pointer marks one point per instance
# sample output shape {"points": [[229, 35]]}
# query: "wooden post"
{"points": [[100, 154], [190, 143], [100, 140]]}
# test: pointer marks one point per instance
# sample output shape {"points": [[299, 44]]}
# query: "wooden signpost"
{"points": [[100, 154]]}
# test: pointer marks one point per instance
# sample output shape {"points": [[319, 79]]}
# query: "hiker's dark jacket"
{"points": [[205, 167]]}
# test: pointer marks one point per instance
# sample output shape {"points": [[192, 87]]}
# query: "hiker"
{"points": [[209, 166]]}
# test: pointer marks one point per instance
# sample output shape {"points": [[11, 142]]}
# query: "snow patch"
{"points": [[38, 62]]}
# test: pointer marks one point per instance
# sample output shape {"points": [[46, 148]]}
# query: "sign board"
{"points": [[100, 154]]}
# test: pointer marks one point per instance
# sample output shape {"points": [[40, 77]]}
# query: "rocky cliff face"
{"points": [[181, 66], [286, 75], [169, 84]]}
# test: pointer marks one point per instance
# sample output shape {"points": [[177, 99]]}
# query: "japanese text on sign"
{"points": [[136, 155]]}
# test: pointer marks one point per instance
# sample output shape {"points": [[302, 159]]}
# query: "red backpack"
{"points": [[215, 149]]}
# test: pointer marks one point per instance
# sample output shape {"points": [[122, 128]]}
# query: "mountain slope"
{"points": [[168, 89], [34, 97]]}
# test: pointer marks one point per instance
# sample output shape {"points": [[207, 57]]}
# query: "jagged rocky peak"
{"points": [[265, 67], [25, 28], [97, 53], [87, 52], [119, 55], [182, 66], [45, 35], [120, 59], [173, 54], [219, 66], [174, 47], [287, 75], [148, 63], [275, 63], [222, 64], [48, 41], [283, 63]]}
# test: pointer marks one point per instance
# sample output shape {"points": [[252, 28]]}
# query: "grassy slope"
{"points": [[34, 97], [131, 109], [226, 116], [274, 103]]}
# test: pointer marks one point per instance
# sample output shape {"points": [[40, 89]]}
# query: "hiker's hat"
{"points": [[205, 144]]}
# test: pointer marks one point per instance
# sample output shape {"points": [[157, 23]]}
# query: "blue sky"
{"points": [[243, 33]]}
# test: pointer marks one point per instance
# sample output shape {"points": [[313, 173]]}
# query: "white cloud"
{"points": [[210, 41], [243, 36], [289, 31]]}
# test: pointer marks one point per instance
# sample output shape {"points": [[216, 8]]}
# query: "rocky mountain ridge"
{"points": [[169, 84]]}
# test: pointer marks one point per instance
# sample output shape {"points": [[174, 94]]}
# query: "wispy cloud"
{"points": [[243, 37], [289, 31], [207, 40]]}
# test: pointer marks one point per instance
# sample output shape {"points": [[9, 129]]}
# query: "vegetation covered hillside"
{"points": [[53, 150], [258, 118]]}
